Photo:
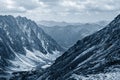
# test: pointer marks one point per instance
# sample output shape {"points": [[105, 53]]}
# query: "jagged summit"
{"points": [[23, 19], [24, 45], [6, 16]]}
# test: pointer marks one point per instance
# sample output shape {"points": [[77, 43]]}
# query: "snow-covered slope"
{"points": [[97, 54], [24, 45]]}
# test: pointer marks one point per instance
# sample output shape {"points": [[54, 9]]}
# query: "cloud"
{"points": [[60, 5], [59, 9], [91, 5], [102, 5], [10, 6], [50, 2], [29, 4], [16, 6]]}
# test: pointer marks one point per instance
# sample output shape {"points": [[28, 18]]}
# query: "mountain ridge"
{"points": [[93, 54], [67, 36], [23, 44]]}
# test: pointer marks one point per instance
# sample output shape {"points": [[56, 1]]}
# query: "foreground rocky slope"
{"points": [[97, 53]]}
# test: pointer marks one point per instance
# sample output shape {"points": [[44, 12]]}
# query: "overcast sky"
{"points": [[62, 10]]}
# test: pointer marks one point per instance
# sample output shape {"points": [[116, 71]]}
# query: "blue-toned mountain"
{"points": [[97, 53], [24, 45]]}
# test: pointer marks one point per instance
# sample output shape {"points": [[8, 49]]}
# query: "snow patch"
{"points": [[32, 56], [0, 39], [101, 76], [21, 62], [54, 55], [46, 66], [48, 56], [83, 53]]}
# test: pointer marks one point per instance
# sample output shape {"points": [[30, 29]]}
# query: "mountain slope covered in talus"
{"points": [[24, 45], [97, 53]]}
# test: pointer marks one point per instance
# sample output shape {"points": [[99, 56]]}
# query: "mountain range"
{"points": [[63, 23], [97, 54], [24, 45], [95, 57], [68, 35]]}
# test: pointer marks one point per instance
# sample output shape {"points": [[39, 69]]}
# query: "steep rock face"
{"points": [[99, 52], [35, 33], [24, 45]]}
